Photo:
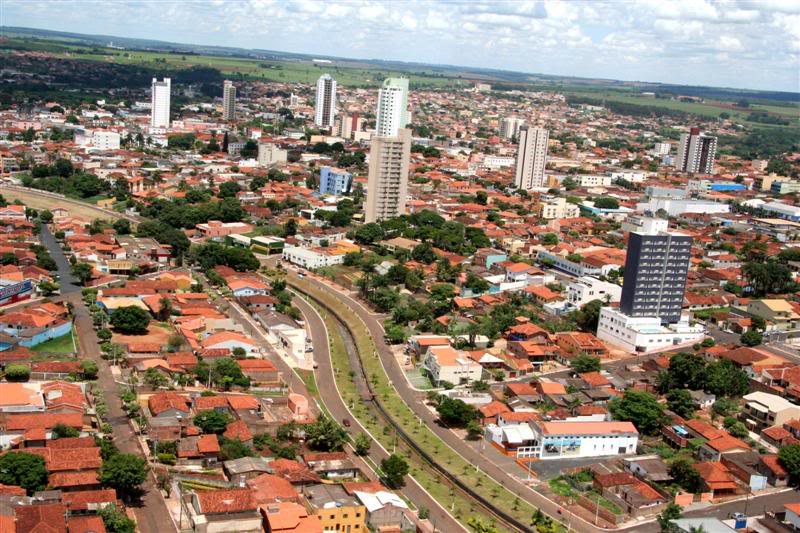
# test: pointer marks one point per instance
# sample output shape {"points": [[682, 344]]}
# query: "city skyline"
{"points": [[737, 43]]}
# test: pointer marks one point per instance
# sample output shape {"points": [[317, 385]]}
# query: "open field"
{"points": [[39, 202], [62, 344]]}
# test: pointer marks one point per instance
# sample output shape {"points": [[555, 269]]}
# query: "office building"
{"points": [[649, 317], [531, 158], [387, 184], [656, 266], [159, 104], [509, 127], [325, 104], [334, 181], [270, 154], [696, 152], [392, 109], [228, 101]]}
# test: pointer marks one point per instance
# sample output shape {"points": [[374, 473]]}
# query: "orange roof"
{"points": [[271, 488], [290, 517], [208, 444], [550, 387], [226, 501], [238, 430]]}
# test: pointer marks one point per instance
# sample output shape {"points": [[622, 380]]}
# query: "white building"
{"points": [[696, 152], [311, 259], [509, 127], [270, 154], [633, 176], [644, 224], [228, 100], [587, 288], [679, 207], [445, 363], [594, 180], [646, 334], [661, 149], [293, 341], [531, 158], [387, 181], [392, 111], [493, 162], [325, 104], [558, 208], [105, 140], [159, 106]]}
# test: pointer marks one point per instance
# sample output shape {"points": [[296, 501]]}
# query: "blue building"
{"points": [[728, 187], [334, 181]]}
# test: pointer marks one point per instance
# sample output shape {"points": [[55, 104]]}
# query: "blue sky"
{"points": [[733, 43]]}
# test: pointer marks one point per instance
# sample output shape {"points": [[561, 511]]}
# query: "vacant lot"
{"points": [[38, 202]]}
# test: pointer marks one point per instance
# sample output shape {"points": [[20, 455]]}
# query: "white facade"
{"points": [[159, 106], [493, 162], [679, 207], [645, 334], [325, 104], [445, 364], [293, 341], [588, 288], [696, 152], [595, 181], [311, 259], [392, 111], [509, 127], [228, 100], [557, 208], [270, 154], [642, 224], [531, 158], [631, 175]]}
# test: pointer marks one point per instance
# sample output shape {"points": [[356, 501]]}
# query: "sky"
{"points": [[751, 44]]}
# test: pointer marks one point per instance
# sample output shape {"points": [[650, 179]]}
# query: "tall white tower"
{"points": [[531, 157], [159, 104], [392, 107], [325, 105], [228, 100]]}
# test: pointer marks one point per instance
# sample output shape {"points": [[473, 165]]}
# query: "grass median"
{"points": [[405, 417]]}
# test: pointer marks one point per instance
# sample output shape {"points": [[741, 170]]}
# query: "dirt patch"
{"points": [[155, 333]]}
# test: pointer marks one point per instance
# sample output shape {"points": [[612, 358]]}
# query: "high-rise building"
{"points": [[325, 104], [509, 127], [696, 152], [228, 101], [387, 184], [531, 157], [348, 124], [159, 103], [656, 266], [392, 109], [334, 181]]}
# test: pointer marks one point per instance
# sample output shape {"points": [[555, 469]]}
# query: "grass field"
{"points": [[62, 344], [34, 201]]}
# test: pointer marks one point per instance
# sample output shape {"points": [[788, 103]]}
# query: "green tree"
{"points": [[668, 514], [362, 444], [325, 434], [115, 520], [82, 271], [212, 421], [641, 408], [549, 239], [588, 316], [23, 470], [130, 320], [454, 412], [154, 379], [124, 472], [751, 337], [680, 402], [606, 202], [686, 370], [789, 458], [122, 226], [18, 372], [233, 449], [63, 431], [585, 363], [723, 378], [685, 475], [89, 369], [369, 233], [394, 470]]}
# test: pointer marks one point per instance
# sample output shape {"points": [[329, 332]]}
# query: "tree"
{"points": [[454, 412], [686, 476], [476, 284], [788, 457], [423, 253], [585, 363], [233, 449], [680, 402], [641, 408], [751, 337], [362, 444], [606, 202], [325, 434], [569, 183], [18, 372], [369, 233], [549, 239], [290, 228], [88, 369], [115, 520], [82, 271], [125, 472], [588, 316], [394, 470], [668, 514], [723, 378], [130, 320], [63, 431], [212, 421], [122, 226], [474, 430], [154, 379], [23, 470], [48, 287], [686, 370]]}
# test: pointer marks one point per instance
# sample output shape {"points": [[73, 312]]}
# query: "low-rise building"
{"points": [[445, 363]]}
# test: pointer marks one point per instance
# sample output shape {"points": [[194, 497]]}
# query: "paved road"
{"points": [[151, 512], [333, 402]]}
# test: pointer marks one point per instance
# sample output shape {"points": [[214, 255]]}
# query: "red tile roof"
{"points": [[226, 501]]}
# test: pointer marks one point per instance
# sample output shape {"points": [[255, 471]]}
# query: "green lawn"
{"points": [[311, 383], [62, 344]]}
